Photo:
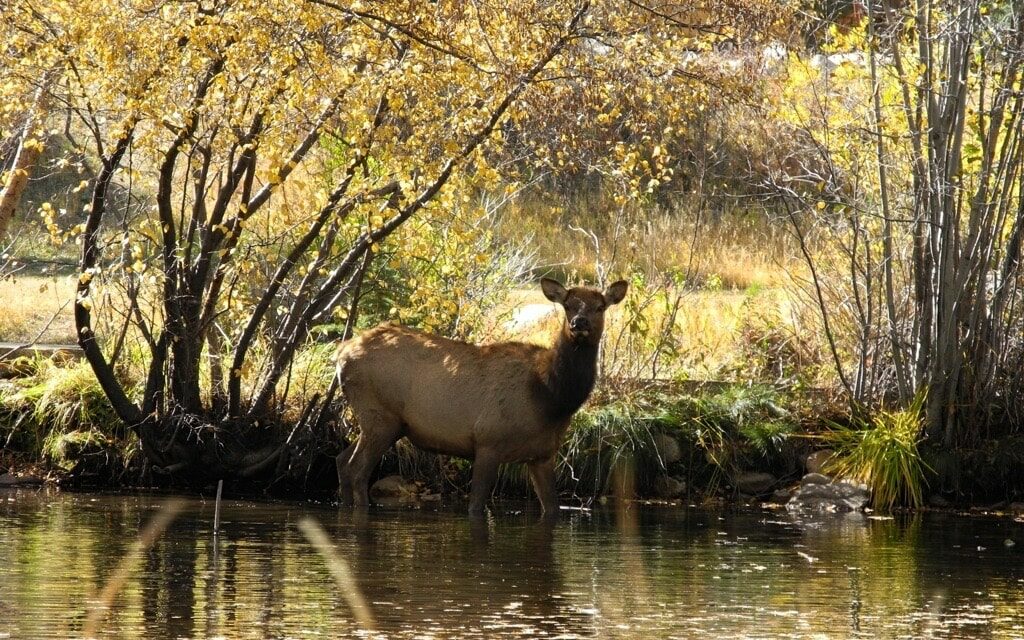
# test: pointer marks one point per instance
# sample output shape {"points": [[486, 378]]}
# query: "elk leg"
{"points": [[344, 475], [485, 473], [542, 474], [377, 435]]}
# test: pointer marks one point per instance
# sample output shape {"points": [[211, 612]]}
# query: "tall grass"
{"points": [[739, 428], [719, 434], [882, 451], [710, 295], [577, 235], [604, 441], [61, 416], [308, 378]]}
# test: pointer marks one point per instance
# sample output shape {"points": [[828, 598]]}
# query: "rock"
{"points": [[828, 496], [815, 462], [668, 487], [668, 448], [394, 487], [754, 483], [781, 496], [11, 480], [1015, 507], [815, 478]]}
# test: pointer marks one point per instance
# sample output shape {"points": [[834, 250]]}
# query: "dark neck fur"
{"points": [[570, 376]]}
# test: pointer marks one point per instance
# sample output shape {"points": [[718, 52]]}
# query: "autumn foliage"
{"points": [[262, 154]]}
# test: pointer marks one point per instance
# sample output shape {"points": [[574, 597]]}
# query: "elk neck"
{"points": [[570, 376]]}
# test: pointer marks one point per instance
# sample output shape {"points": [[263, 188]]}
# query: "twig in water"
{"points": [[340, 570], [168, 511], [216, 508]]}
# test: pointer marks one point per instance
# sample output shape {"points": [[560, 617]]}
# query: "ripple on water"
{"points": [[660, 572]]}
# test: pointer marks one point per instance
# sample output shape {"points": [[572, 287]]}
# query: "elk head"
{"points": [[584, 308]]}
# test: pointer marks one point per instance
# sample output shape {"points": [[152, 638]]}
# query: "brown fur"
{"points": [[496, 403]]}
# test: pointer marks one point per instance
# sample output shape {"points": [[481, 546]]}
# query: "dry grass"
{"points": [[729, 271], [31, 302], [728, 250], [728, 276], [710, 340], [709, 337]]}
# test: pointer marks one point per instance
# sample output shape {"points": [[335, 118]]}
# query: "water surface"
{"points": [[652, 572]]}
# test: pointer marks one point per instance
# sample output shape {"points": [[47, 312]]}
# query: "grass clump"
{"points": [[882, 451], [68, 449], [719, 434], [610, 440], [64, 397], [60, 416], [739, 428]]}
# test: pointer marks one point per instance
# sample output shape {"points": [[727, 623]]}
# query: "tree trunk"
{"points": [[29, 149]]}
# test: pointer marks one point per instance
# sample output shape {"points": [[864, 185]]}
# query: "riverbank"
{"points": [[674, 440], [679, 442]]}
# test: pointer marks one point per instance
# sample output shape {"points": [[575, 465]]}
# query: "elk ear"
{"points": [[553, 290], [616, 292]]}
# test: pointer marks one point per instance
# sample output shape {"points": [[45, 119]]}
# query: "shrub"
{"points": [[882, 451]]}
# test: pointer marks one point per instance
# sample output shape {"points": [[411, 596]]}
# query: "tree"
{"points": [[24, 158], [290, 139], [923, 207]]}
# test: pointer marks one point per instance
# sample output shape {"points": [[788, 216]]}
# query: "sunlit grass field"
{"points": [[709, 328], [729, 248], [725, 279], [37, 307]]}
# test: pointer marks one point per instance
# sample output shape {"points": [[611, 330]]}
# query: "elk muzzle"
{"points": [[579, 326]]}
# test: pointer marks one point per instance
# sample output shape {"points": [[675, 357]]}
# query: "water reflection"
{"points": [[626, 571]]}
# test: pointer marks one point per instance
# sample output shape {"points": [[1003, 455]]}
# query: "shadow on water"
{"points": [[622, 571], [168, 581]]}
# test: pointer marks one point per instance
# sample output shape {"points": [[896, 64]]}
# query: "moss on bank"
{"points": [[695, 444], [57, 417]]}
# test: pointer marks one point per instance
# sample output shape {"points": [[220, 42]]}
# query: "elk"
{"points": [[495, 403]]}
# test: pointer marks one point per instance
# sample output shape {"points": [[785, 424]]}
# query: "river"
{"points": [[629, 572]]}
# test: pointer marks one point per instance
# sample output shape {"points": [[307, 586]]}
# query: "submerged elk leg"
{"points": [[378, 431], [542, 474], [485, 473], [345, 474]]}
